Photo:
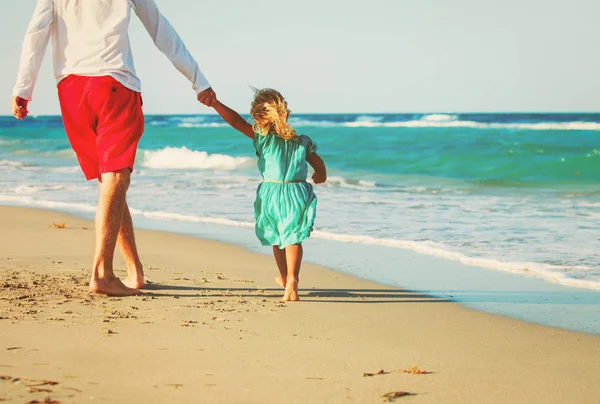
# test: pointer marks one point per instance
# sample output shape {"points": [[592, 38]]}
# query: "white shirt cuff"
{"points": [[23, 93]]}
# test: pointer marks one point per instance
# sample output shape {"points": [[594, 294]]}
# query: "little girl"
{"points": [[285, 205]]}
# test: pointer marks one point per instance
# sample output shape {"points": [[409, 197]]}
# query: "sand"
{"points": [[211, 329]]}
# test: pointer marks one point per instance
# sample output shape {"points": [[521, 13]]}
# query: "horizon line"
{"points": [[366, 113]]}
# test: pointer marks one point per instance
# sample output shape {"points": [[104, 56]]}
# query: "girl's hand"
{"points": [[320, 175], [319, 178]]}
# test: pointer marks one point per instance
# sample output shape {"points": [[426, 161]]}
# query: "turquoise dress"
{"points": [[285, 205]]}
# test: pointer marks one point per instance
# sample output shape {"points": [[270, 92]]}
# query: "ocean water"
{"points": [[508, 192]]}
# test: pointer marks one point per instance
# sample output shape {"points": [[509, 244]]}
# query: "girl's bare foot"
{"points": [[111, 287], [291, 290], [279, 281]]}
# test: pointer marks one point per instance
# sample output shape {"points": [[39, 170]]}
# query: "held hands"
{"points": [[208, 97], [18, 107], [319, 178]]}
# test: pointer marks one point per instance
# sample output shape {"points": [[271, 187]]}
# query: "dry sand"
{"points": [[212, 330]]}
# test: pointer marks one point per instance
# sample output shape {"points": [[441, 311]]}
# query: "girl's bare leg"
{"points": [[293, 255], [281, 265]]}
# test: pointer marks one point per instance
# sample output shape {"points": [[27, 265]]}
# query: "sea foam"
{"points": [[184, 158], [12, 163], [425, 123], [550, 273]]}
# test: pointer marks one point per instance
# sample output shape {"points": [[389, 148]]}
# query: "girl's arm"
{"points": [[320, 175], [234, 119]]}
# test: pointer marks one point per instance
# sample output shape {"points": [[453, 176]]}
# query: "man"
{"points": [[101, 106]]}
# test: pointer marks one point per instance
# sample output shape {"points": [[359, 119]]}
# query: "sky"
{"points": [[348, 56]]}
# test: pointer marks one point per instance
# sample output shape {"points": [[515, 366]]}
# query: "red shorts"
{"points": [[104, 122]]}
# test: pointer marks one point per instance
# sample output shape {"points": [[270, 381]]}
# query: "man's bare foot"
{"points": [[111, 287], [135, 278], [279, 281], [291, 291]]}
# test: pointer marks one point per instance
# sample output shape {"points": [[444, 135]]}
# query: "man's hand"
{"points": [[18, 107], [208, 97]]}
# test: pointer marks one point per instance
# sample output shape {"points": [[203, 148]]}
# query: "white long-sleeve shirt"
{"points": [[90, 38]]}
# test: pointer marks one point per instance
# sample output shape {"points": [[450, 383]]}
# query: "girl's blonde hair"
{"points": [[270, 113]]}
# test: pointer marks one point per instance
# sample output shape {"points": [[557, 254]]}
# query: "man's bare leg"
{"points": [[126, 243], [109, 214], [281, 265], [293, 255]]}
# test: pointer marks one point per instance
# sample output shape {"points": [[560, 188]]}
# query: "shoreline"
{"points": [[524, 269], [212, 329], [515, 295]]}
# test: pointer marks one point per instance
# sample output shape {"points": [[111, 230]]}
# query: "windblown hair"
{"points": [[270, 113]]}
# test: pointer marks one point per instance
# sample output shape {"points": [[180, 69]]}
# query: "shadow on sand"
{"points": [[307, 295]]}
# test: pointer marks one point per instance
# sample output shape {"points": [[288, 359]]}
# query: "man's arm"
{"points": [[234, 119], [32, 55], [168, 42]]}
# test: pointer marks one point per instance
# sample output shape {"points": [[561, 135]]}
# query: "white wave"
{"points": [[26, 167], [191, 219], [365, 124], [550, 273], [547, 272], [203, 125], [369, 118], [593, 126], [70, 169], [63, 153], [12, 163], [29, 201], [370, 184], [365, 121], [433, 190], [439, 118], [182, 157], [583, 204], [443, 121], [433, 123], [251, 182], [299, 122], [31, 189], [189, 119], [348, 183], [418, 124]]}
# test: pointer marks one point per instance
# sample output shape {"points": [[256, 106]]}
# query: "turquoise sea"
{"points": [[518, 193]]}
